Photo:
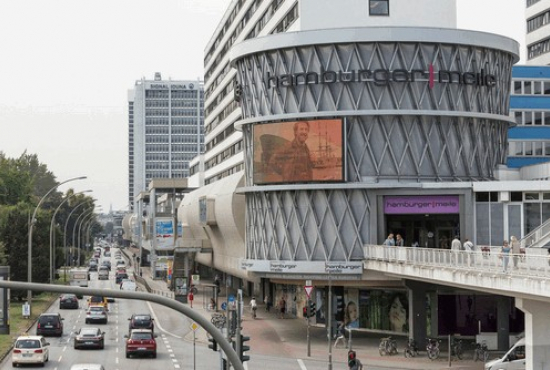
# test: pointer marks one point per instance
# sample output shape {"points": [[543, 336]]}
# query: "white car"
{"points": [[30, 349]]}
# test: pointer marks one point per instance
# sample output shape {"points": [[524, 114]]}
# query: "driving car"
{"points": [[141, 342], [120, 276], [96, 314], [90, 337], [87, 367], [30, 349], [68, 301], [97, 300], [49, 323], [141, 321]]}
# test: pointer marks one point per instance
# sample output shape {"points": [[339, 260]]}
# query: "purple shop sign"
{"points": [[421, 204]]}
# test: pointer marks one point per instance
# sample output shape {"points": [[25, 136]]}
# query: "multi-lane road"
{"points": [[175, 349]]}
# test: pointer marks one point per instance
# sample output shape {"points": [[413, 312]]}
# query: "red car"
{"points": [[141, 342]]}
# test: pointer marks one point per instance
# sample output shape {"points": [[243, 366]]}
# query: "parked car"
{"points": [[89, 337], [96, 314], [141, 321], [30, 349], [49, 323], [513, 359], [68, 301], [141, 342]]}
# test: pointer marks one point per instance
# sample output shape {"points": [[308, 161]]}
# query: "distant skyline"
{"points": [[67, 66]]}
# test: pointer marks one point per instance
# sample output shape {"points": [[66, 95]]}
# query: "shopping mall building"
{"points": [[377, 119]]}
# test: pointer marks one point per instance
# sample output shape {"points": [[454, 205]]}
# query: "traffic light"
{"points": [[214, 345], [312, 309], [352, 359], [244, 348], [309, 310]]}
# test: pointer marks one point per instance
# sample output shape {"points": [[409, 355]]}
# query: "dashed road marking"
{"points": [[301, 364]]}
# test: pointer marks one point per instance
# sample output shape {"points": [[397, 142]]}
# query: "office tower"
{"points": [[165, 130]]}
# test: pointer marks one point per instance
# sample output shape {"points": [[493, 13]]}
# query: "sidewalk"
{"points": [[272, 336]]}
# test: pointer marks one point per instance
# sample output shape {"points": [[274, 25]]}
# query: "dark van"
{"points": [[49, 323]]}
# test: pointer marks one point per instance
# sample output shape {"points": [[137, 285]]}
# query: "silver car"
{"points": [[96, 314]]}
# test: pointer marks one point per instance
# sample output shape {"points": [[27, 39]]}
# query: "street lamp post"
{"points": [[87, 218], [31, 224], [85, 214], [52, 250], [65, 235]]}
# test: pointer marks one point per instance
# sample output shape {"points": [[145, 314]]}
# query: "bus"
{"points": [[79, 277]]}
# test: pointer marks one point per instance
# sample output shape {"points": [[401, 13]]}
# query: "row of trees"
{"points": [[23, 182]]}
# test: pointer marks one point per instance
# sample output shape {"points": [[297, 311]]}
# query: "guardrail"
{"points": [[534, 263]]}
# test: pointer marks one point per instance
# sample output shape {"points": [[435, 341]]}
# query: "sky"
{"points": [[66, 67]]}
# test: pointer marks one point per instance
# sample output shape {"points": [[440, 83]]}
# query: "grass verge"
{"points": [[18, 324]]}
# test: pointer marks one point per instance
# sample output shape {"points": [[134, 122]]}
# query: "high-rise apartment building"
{"points": [[537, 15], [165, 130]]}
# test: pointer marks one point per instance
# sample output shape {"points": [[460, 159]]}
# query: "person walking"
{"points": [[267, 303], [516, 250], [282, 307], [253, 306], [505, 255], [456, 246], [468, 246]]}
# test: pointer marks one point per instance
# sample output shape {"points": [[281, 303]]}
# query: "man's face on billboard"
{"points": [[301, 132]]}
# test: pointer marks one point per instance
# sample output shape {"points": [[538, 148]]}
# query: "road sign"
{"points": [[195, 278], [231, 298], [194, 326], [224, 306], [308, 289]]}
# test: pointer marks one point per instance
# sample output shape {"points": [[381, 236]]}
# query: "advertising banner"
{"points": [[164, 233], [299, 151]]}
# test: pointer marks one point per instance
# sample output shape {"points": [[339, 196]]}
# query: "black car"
{"points": [[49, 323], [68, 301], [141, 321], [89, 337], [93, 267], [120, 277]]}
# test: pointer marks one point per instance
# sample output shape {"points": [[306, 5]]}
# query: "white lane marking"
{"points": [[64, 349], [116, 360], [116, 350], [59, 359], [301, 364], [245, 365], [158, 323], [176, 366]]}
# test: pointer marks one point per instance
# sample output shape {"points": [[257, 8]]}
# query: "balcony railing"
{"points": [[534, 263]]}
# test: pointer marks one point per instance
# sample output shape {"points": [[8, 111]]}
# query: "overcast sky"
{"points": [[66, 67]]}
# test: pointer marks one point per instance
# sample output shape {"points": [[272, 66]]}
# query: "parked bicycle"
{"points": [[456, 348], [481, 352], [411, 349], [218, 320], [432, 348], [387, 346]]}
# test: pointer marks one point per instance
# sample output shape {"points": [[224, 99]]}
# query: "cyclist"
{"points": [[254, 306]]}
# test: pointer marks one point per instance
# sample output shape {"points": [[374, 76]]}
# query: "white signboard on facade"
{"points": [[303, 267], [164, 233]]}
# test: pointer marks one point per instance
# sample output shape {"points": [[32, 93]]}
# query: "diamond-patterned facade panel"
{"points": [[316, 225], [282, 81]]}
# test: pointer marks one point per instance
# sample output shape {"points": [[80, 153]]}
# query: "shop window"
{"points": [[546, 196]]}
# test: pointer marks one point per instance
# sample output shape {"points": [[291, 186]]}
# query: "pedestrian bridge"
{"points": [[526, 275]]}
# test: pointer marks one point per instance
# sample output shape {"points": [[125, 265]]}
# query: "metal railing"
{"points": [[536, 262], [537, 237]]}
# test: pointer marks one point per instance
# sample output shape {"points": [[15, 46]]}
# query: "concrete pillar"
{"points": [[503, 323], [417, 311], [537, 327], [434, 317]]}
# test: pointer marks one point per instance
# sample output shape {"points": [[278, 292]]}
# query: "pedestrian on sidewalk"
{"points": [[267, 303], [282, 307], [190, 298], [212, 305], [253, 306]]}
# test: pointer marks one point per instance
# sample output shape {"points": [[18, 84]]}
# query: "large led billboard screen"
{"points": [[299, 152]]}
